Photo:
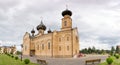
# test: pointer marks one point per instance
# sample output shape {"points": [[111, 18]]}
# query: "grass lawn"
{"points": [[115, 61], [8, 60]]}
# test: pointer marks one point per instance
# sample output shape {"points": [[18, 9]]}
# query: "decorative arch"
{"points": [[65, 23], [49, 43], [67, 37], [43, 46], [60, 38]]}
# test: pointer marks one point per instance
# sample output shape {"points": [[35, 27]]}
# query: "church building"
{"points": [[63, 43]]}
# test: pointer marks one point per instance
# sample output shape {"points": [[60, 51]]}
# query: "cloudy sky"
{"points": [[98, 21]]}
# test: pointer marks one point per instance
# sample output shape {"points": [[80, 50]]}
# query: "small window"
{"points": [[67, 38], [68, 48], [59, 39], [48, 45], [76, 38], [42, 46], [65, 23], [60, 48]]}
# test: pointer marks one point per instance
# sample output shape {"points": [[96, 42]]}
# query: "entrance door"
{"points": [[32, 52]]}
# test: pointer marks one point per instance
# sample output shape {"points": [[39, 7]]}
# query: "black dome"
{"points": [[33, 31], [49, 31], [41, 26], [66, 12]]}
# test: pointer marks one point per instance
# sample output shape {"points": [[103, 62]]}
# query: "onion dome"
{"points": [[49, 31], [66, 12], [33, 31], [41, 26]]}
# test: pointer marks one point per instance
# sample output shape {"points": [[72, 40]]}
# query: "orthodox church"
{"points": [[63, 43]]}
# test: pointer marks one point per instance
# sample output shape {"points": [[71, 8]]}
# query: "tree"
{"points": [[117, 49], [108, 51], [89, 50], [112, 50], [99, 51], [93, 49], [103, 51], [84, 51]]}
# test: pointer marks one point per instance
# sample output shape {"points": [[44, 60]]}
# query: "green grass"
{"points": [[8, 60], [115, 61]]}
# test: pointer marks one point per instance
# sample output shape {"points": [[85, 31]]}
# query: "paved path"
{"points": [[68, 61]]}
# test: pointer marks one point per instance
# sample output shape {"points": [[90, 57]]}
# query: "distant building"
{"points": [[63, 43], [8, 49]]}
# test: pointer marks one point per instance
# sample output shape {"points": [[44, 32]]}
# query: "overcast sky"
{"points": [[98, 21]]}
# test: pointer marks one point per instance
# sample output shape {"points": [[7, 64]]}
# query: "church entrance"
{"points": [[32, 52]]}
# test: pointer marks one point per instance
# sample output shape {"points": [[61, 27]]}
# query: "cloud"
{"points": [[97, 20], [96, 43]]}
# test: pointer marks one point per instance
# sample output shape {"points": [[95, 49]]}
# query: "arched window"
{"points": [[68, 48], [65, 23], [67, 38], [42, 46], [48, 45], [59, 39], [76, 38], [59, 48]]}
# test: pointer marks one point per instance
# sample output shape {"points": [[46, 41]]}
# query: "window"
{"points": [[59, 39], [65, 23], [42, 46], [67, 38], [38, 47], [48, 45], [68, 48], [59, 48], [76, 38]]}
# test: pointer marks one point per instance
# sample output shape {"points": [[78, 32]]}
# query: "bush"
{"points": [[109, 60], [12, 56], [117, 56], [26, 61], [16, 58], [8, 54]]}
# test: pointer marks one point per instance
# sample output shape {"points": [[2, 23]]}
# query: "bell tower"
{"points": [[66, 20]]}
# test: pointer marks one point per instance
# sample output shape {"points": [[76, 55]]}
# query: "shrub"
{"points": [[26, 61], [109, 60], [16, 57], [117, 56], [12, 56], [8, 54]]}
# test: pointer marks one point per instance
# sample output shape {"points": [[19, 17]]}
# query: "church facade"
{"points": [[63, 43]]}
